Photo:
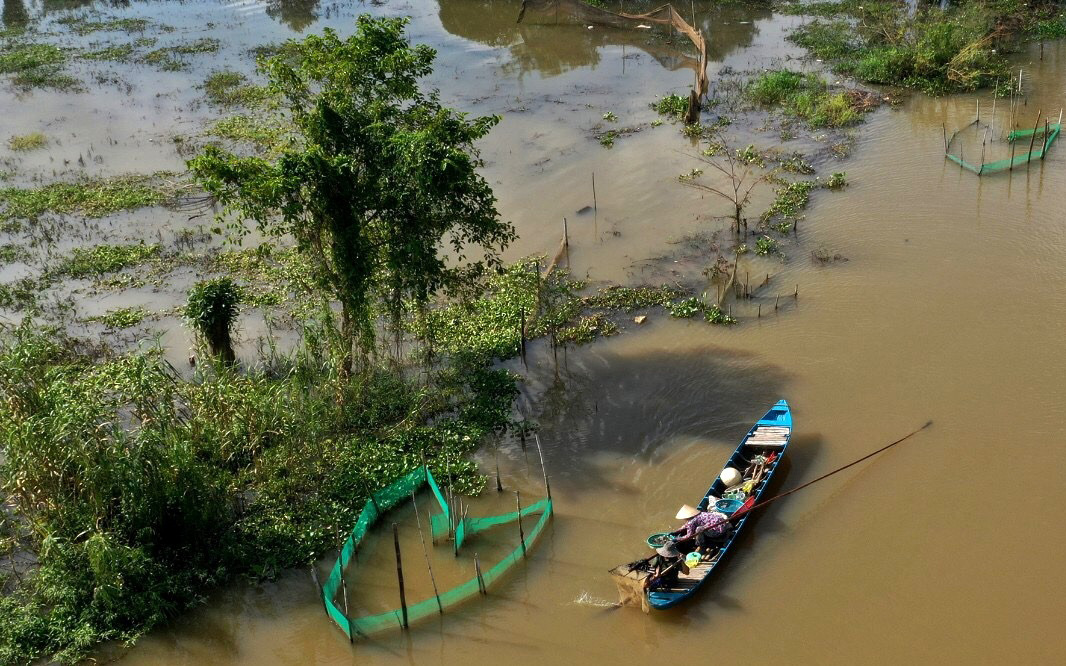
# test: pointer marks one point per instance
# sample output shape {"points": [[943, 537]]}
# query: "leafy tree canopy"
{"points": [[377, 179]]}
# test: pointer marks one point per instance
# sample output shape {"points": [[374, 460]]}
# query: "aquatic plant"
{"points": [[88, 197], [114, 53], [83, 24], [766, 246], [675, 106], [122, 317], [229, 88], [837, 181], [27, 142], [805, 96], [100, 259], [212, 310], [791, 200]]}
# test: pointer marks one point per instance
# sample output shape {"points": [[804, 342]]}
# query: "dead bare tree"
{"points": [[742, 178]]}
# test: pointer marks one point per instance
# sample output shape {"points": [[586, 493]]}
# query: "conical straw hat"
{"points": [[686, 512]]}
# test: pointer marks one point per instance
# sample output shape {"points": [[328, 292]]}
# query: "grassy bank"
{"points": [[804, 96], [937, 51]]}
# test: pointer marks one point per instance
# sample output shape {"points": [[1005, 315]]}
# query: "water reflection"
{"points": [[297, 14], [555, 48], [15, 14], [729, 28]]}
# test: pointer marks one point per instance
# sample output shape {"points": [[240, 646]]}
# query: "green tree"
{"points": [[376, 180]]}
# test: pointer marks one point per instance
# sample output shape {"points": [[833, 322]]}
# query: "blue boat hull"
{"points": [[778, 420]]}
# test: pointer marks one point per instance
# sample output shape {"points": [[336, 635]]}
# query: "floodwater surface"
{"points": [[941, 297]]}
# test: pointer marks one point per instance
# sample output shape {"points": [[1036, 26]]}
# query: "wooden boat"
{"points": [[767, 439]]}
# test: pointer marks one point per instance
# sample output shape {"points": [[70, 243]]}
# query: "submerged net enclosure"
{"points": [[664, 17], [447, 522], [975, 148]]}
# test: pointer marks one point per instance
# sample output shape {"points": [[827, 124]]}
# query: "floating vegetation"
{"points": [[795, 163], [791, 200], [610, 117], [36, 66], [100, 259], [632, 298], [229, 88], [91, 198], [675, 106], [169, 58], [122, 317], [252, 130], [116, 53], [84, 25], [27, 142], [805, 96], [837, 181], [766, 246]]}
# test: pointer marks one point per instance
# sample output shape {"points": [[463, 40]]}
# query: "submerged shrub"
{"points": [[212, 309]]}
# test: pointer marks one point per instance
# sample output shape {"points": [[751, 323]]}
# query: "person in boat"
{"points": [[705, 526], [668, 565]]}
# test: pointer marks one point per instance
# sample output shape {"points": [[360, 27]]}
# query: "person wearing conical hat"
{"points": [[705, 523]]}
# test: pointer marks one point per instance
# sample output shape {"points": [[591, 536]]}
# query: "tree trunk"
{"points": [[221, 343], [348, 340]]}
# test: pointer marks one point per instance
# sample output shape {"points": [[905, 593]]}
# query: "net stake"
{"points": [[425, 551], [399, 573], [1043, 150], [1032, 139], [318, 586], [521, 532], [540, 452], [347, 617], [480, 579]]}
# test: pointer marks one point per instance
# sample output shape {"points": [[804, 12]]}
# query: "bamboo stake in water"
{"points": [[425, 551], [1043, 150], [540, 452], [399, 573], [993, 124], [595, 206], [1032, 139], [347, 617], [480, 579], [521, 532], [318, 586]]}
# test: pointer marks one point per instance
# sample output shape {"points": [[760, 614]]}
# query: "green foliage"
{"points": [[795, 163], [91, 198], [837, 180], [766, 246], [686, 308], [791, 200], [212, 308], [114, 53], [100, 259], [262, 133], [632, 298], [83, 25], [122, 317], [229, 88], [805, 96], [936, 51], [607, 138], [587, 328], [610, 117], [750, 155], [27, 142], [715, 315], [10, 252], [380, 176], [169, 58], [35, 65], [675, 106], [140, 491]]}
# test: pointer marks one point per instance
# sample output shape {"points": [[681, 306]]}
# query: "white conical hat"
{"points": [[686, 512]]}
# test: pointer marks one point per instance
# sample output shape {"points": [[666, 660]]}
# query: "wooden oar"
{"points": [[749, 504]]}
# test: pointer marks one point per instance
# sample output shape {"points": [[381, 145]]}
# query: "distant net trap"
{"points": [[978, 147]]}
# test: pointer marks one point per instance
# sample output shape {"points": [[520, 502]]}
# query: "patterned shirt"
{"points": [[714, 522]]}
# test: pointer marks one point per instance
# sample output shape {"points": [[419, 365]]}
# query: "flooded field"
{"points": [[918, 292]]}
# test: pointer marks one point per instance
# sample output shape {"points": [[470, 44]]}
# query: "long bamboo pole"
{"points": [[399, 573], [425, 551]]}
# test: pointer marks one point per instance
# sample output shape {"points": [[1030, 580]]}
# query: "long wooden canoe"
{"points": [[768, 438]]}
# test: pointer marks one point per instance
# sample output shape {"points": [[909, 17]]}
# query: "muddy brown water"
{"points": [[945, 302]]}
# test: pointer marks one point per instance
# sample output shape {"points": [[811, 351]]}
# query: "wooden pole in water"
{"points": [[566, 235], [777, 302], [1032, 139], [1043, 150], [522, 334], [945, 127], [978, 120], [480, 580], [496, 455], [1013, 145], [318, 586], [399, 573], [347, 617], [425, 551], [521, 532], [540, 452], [595, 206], [993, 124]]}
